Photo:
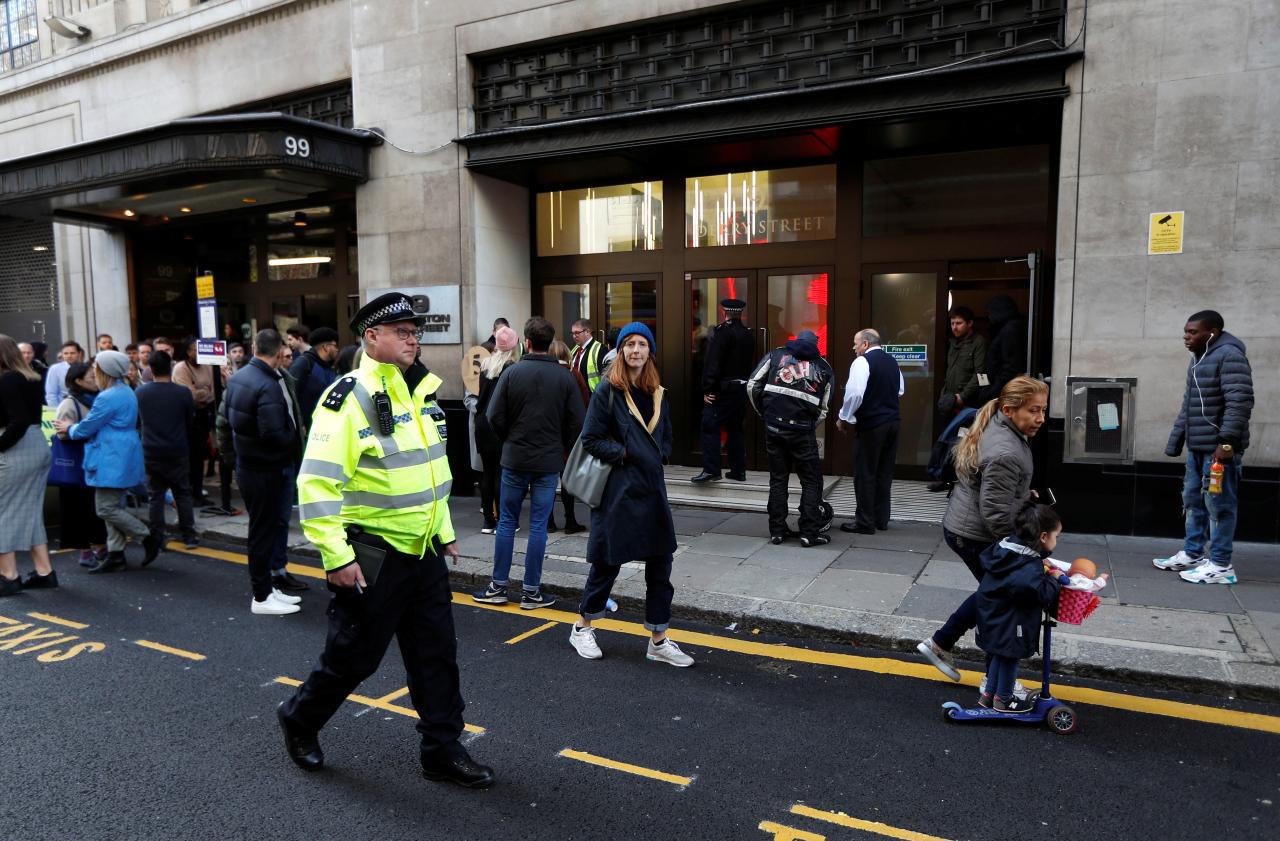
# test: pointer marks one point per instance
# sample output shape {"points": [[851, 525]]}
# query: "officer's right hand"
{"points": [[708, 398], [347, 577]]}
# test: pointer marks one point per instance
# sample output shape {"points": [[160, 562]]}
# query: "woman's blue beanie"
{"points": [[636, 328]]}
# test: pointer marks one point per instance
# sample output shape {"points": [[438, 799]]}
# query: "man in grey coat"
{"points": [[966, 356], [1213, 423]]}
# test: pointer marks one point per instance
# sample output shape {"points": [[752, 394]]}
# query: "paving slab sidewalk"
{"points": [[892, 589]]}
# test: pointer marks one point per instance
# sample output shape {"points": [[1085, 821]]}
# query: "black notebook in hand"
{"points": [[369, 559]]}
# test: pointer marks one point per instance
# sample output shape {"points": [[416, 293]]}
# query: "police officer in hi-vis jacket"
{"points": [[373, 492]]}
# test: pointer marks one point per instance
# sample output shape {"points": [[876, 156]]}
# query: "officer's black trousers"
{"points": [[874, 457], [412, 602], [727, 413], [794, 451]]}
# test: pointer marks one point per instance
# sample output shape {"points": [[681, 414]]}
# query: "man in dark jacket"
{"points": [[536, 411], [731, 355], [312, 370], [966, 356], [167, 412], [1213, 423], [871, 406], [1007, 353], [262, 419], [791, 389]]}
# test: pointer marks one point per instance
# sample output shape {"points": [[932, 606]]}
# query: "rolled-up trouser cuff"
{"points": [[653, 629], [597, 615]]}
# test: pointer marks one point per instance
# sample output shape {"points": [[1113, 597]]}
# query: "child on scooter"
{"points": [[1014, 590]]}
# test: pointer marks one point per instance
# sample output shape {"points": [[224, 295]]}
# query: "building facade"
{"points": [[837, 164]]}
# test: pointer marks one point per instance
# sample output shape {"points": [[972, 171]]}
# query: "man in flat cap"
{"points": [[730, 358], [374, 498]]}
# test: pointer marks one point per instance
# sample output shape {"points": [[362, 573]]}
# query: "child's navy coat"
{"points": [[1010, 598]]}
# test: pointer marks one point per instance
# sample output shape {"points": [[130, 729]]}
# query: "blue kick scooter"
{"points": [[1048, 711]]}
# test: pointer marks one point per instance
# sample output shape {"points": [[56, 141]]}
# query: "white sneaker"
{"points": [[669, 652], [285, 597], [940, 659], [1210, 573], [1020, 692], [271, 606], [584, 642], [1178, 562]]}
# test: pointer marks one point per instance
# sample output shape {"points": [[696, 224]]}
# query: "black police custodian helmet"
{"points": [[733, 305], [386, 309]]}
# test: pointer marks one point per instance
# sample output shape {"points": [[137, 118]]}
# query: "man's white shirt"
{"points": [[856, 388]]}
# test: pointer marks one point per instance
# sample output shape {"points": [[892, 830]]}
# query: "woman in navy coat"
{"points": [[628, 425]]}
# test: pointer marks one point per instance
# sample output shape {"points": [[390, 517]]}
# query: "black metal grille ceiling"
{"points": [[750, 49], [28, 277]]}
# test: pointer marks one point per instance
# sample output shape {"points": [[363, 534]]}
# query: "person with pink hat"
{"points": [[489, 446]]}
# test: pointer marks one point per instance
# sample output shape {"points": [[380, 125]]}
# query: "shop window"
{"points": [[19, 36], [600, 220], [984, 190], [761, 206]]}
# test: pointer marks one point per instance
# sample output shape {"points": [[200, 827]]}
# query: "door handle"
{"points": [[764, 338]]}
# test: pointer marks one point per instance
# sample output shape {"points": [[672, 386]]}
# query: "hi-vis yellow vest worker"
{"points": [[395, 486]]}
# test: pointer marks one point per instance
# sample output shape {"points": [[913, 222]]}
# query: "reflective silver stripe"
{"points": [[325, 469], [315, 510], [791, 392], [387, 501], [437, 450], [389, 446], [442, 490], [412, 458]]}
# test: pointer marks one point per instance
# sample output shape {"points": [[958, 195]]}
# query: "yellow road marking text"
{"points": [[45, 617], [380, 703], [527, 634], [626, 767], [840, 819], [168, 649]]}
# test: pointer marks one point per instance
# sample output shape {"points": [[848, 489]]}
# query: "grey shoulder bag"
{"points": [[585, 476]]}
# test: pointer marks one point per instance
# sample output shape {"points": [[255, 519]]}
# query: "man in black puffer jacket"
{"points": [[264, 426], [1214, 424], [791, 389]]}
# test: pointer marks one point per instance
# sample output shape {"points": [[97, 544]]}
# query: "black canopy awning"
{"points": [[518, 153], [189, 166]]}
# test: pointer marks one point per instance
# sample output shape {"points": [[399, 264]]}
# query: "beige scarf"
{"points": [[657, 410]]}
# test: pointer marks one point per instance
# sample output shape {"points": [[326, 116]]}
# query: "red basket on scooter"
{"points": [[1075, 606]]}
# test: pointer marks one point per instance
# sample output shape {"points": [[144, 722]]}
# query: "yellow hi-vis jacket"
{"points": [[394, 486]]}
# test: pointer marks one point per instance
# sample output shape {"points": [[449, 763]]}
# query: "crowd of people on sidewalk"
{"points": [[360, 439]]}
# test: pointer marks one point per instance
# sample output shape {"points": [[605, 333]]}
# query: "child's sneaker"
{"points": [[1021, 692], [1210, 573], [1178, 562], [1012, 705], [984, 700]]}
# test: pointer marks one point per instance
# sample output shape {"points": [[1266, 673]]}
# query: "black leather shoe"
{"points": [[854, 529], [704, 476], [574, 528], [303, 750], [35, 581], [113, 562], [737, 477], [455, 765], [287, 583], [10, 586], [151, 545]]}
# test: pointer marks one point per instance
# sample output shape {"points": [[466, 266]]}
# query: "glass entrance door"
{"points": [[607, 302], [904, 310], [781, 304]]}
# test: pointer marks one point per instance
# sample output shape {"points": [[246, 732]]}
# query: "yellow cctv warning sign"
{"points": [[1165, 236]]}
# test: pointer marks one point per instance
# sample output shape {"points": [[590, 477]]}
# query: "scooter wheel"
{"points": [[826, 514], [1062, 720]]}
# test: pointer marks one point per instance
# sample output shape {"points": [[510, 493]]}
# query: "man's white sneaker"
{"points": [[940, 659], [1178, 562], [1020, 692], [669, 652], [583, 641], [285, 597], [1210, 573], [272, 606]]}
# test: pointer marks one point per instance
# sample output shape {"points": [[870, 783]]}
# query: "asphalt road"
{"points": [[114, 740]]}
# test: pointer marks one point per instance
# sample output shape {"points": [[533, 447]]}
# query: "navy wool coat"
{"points": [[1011, 597], [633, 521]]}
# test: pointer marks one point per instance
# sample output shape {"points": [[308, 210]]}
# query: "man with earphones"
{"points": [[1214, 425]]}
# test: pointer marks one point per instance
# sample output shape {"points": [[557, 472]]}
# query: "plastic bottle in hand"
{"points": [[611, 605], [1215, 477]]}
